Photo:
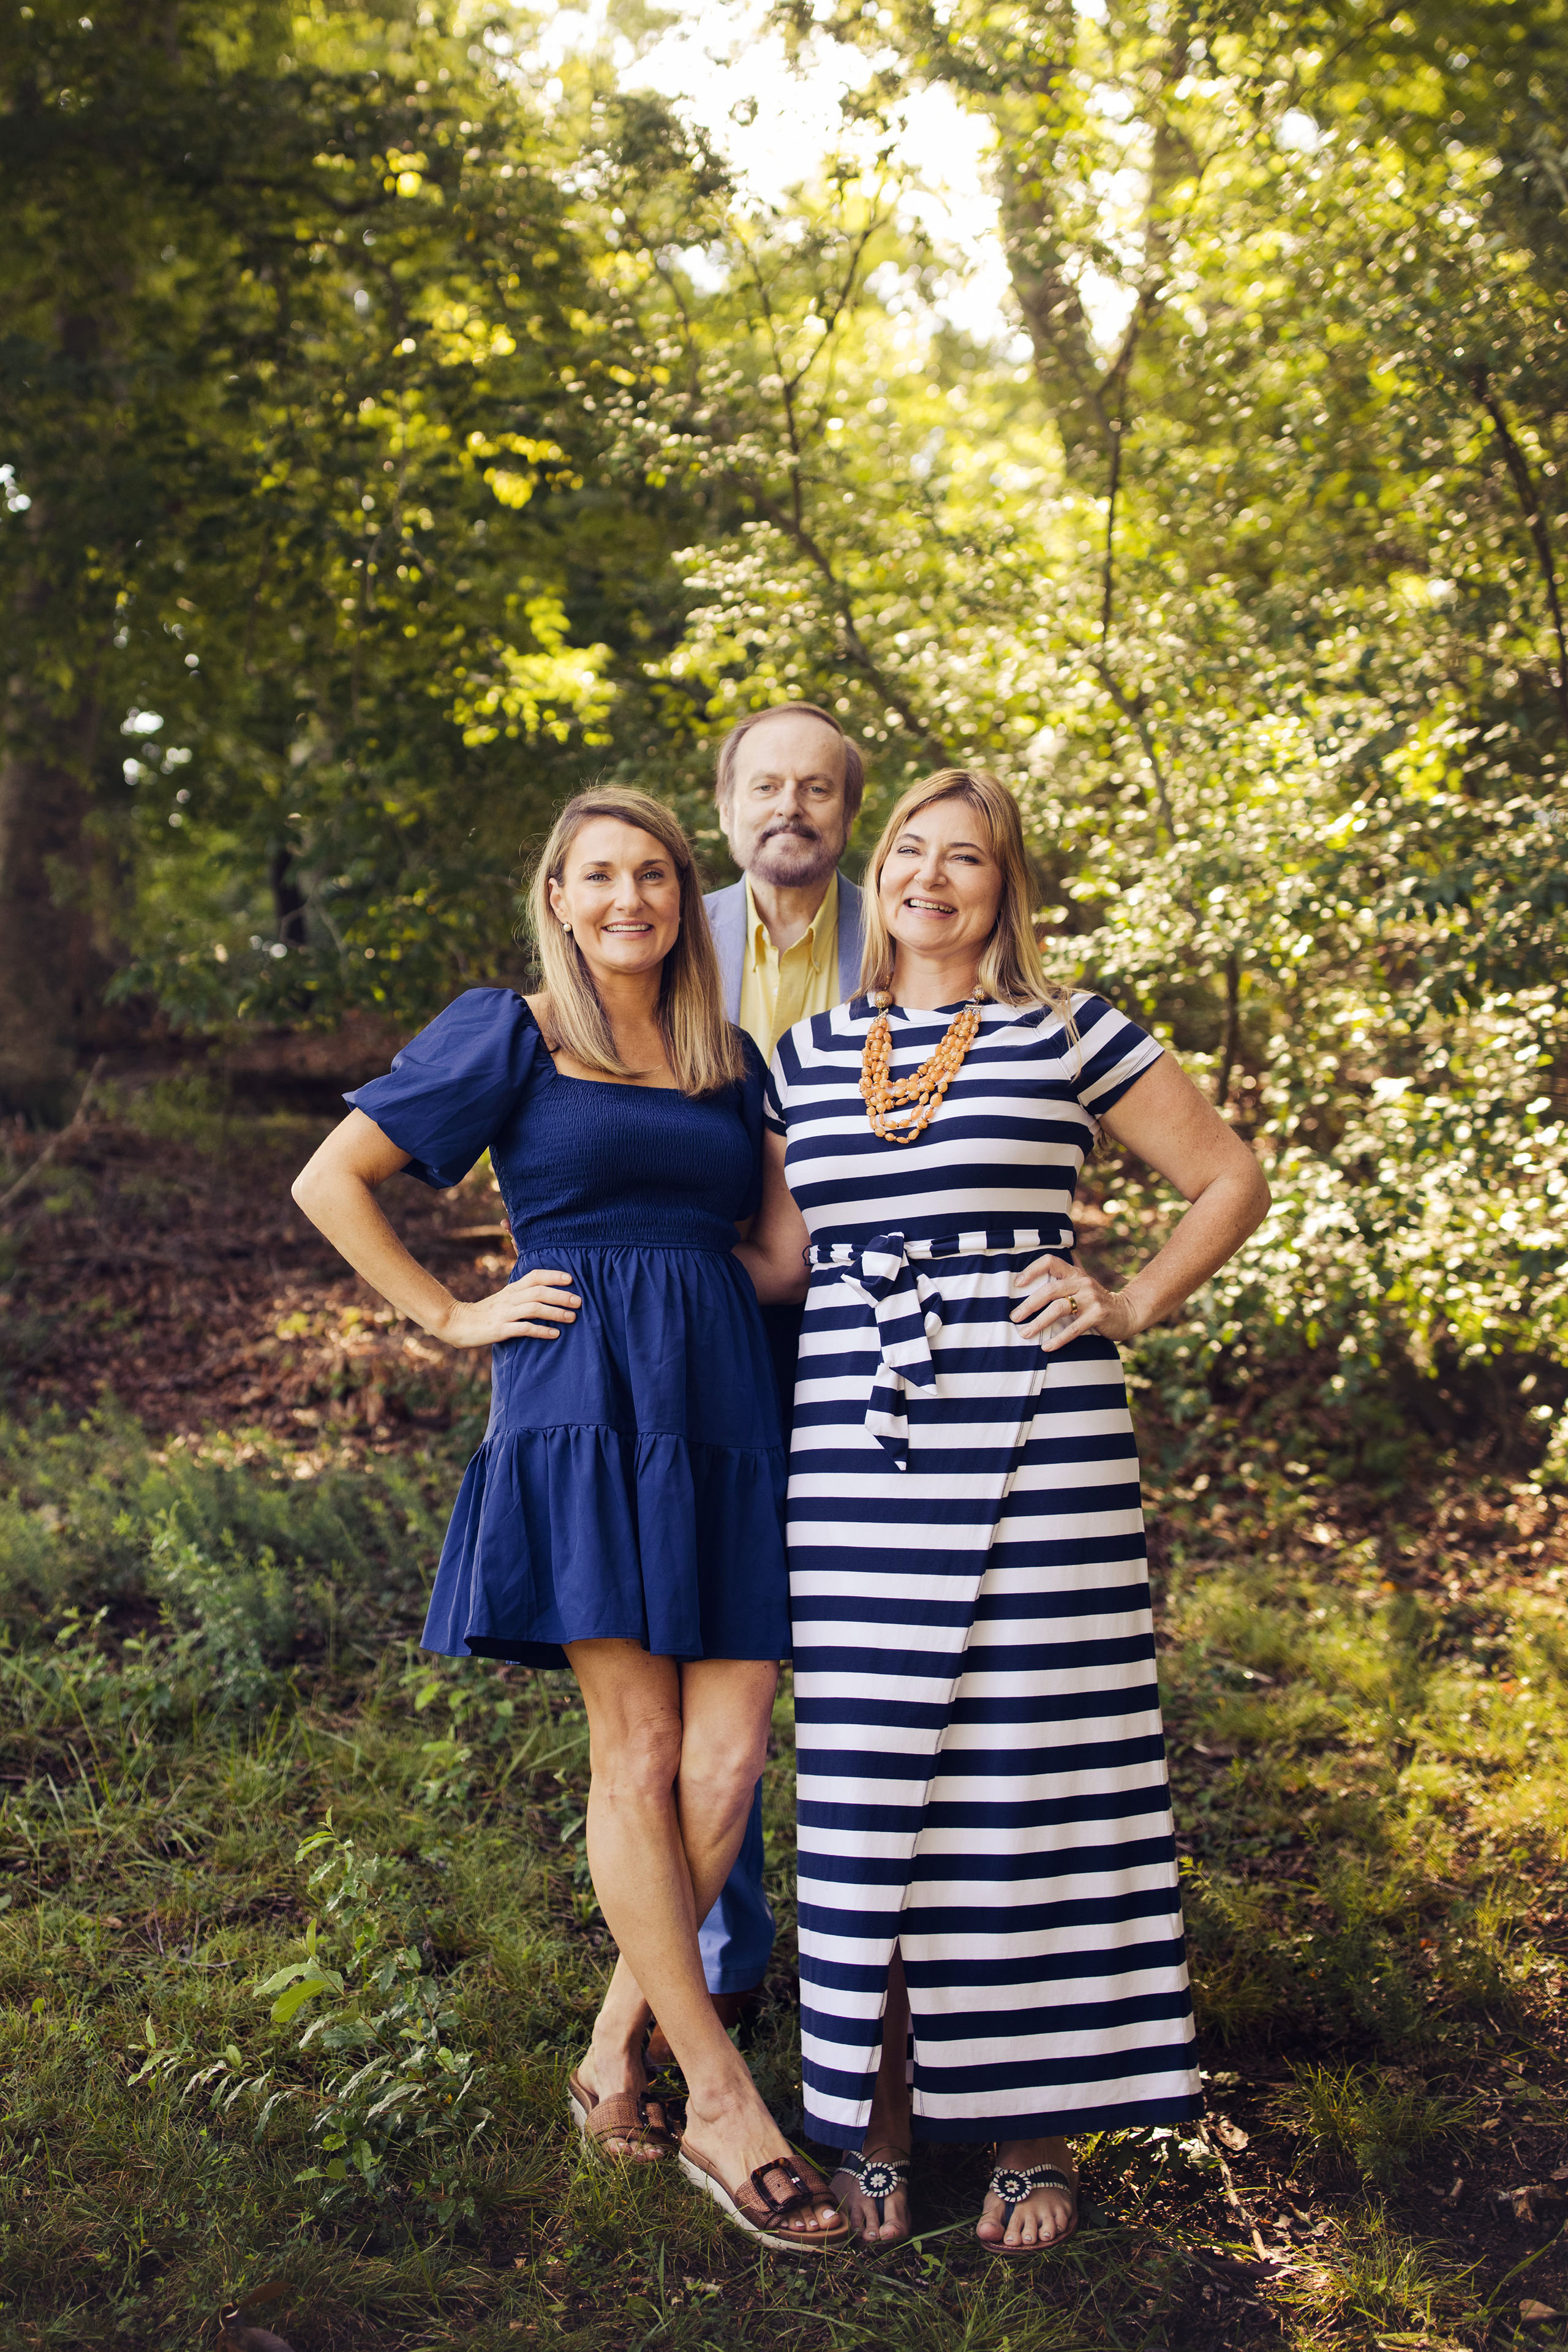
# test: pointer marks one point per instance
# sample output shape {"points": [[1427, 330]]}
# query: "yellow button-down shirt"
{"points": [[777, 990]]}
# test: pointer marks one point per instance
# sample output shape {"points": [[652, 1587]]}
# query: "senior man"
{"points": [[789, 938]]}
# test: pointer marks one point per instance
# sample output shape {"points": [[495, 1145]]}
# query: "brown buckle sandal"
{"points": [[635, 2115], [756, 2207]]}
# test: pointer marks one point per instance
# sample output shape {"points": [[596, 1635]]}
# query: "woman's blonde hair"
{"points": [[1010, 969], [704, 1050]]}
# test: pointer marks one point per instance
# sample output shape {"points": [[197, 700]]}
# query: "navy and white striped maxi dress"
{"points": [[982, 1773]]}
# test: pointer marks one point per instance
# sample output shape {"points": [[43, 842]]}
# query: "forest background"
{"points": [[406, 418]]}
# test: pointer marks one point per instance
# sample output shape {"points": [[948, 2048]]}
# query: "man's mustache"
{"points": [[796, 826]]}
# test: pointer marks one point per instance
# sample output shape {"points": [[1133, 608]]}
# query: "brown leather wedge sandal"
{"points": [[635, 2115], [757, 2207]]}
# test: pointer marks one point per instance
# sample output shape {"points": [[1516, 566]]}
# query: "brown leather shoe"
{"points": [[630, 2116], [762, 2205], [730, 2009]]}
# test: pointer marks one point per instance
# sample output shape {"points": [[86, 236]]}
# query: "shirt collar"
{"points": [[817, 934]]}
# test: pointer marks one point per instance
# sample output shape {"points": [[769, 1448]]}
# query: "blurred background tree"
{"points": [[390, 447], [312, 600]]}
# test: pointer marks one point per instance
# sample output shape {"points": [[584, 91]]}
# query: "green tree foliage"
{"points": [[1243, 571], [301, 547], [1241, 561]]}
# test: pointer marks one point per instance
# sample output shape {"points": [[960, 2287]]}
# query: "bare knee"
{"points": [[636, 1763], [721, 1772]]}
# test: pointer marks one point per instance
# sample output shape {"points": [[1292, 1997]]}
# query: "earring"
{"points": [[566, 928]]}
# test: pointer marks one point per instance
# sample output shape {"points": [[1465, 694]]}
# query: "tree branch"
{"points": [[1535, 523], [858, 653], [36, 1167], [1134, 717], [1232, 1038]]}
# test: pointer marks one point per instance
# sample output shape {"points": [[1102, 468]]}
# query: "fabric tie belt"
{"points": [[907, 1306]]}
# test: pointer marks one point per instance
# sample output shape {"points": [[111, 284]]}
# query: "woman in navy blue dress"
{"points": [[623, 1514]]}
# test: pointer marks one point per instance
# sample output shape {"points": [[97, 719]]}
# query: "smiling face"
{"points": [[620, 891], [941, 886], [783, 815]]}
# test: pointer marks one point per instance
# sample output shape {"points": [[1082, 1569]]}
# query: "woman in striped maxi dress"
{"points": [[990, 1927]]}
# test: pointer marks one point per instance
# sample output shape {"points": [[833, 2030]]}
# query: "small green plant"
{"points": [[1381, 2125], [480, 1715], [243, 1610], [192, 1111], [1386, 2281], [396, 2121]]}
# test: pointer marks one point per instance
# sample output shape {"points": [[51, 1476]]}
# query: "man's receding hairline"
{"points": [[810, 718]]}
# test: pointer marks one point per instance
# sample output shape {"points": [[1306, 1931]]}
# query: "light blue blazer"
{"points": [[727, 917]]}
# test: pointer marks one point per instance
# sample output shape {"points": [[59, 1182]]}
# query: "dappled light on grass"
{"points": [[1374, 1785], [1380, 2125], [206, 1655]]}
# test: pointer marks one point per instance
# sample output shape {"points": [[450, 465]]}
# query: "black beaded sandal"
{"points": [[876, 2178], [1014, 2183]]}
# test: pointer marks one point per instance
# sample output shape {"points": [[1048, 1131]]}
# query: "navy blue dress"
{"points": [[631, 1480]]}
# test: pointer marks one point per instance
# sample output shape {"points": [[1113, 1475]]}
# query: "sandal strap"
{"points": [[857, 2163], [627, 2114], [1013, 2182], [877, 2176], [759, 2200]]}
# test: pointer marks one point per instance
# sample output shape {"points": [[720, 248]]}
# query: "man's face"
{"points": [[784, 816]]}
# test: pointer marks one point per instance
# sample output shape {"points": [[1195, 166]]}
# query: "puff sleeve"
{"points": [[453, 1087]]}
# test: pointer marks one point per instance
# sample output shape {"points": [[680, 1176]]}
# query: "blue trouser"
{"points": [[737, 1937]]}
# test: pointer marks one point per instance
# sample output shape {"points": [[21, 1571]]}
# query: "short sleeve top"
{"points": [[583, 1161], [1003, 1150]]}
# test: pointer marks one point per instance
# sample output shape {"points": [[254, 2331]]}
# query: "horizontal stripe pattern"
{"points": [[980, 1759]]}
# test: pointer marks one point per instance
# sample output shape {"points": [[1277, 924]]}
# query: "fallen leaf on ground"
{"points": [[1231, 2136], [1530, 2309], [1528, 2196]]}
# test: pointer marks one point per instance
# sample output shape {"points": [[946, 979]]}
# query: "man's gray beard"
{"points": [[791, 862]]}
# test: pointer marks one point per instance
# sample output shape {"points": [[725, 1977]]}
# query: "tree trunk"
{"points": [[53, 969]]}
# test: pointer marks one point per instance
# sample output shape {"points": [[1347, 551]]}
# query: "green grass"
{"points": [[1382, 2127], [206, 1656]]}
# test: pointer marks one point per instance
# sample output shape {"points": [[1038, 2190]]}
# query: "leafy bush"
{"points": [[228, 1542]]}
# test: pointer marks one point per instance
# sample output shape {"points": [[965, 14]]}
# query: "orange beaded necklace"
{"points": [[901, 1109]]}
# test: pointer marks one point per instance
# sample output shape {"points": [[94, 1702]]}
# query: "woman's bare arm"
{"points": [[336, 1189], [1164, 1120], [774, 1255]]}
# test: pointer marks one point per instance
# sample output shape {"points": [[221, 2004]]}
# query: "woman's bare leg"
{"points": [[720, 1726], [676, 1755], [888, 2132]]}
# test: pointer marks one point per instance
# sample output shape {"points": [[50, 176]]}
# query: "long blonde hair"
{"points": [[1010, 969], [704, 1050]]}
